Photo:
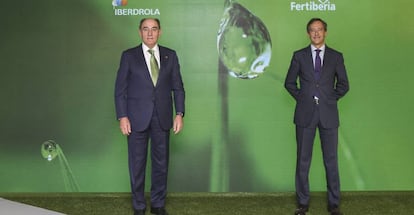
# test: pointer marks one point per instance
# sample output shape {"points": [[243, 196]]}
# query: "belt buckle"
{"points": [[316, 100]]}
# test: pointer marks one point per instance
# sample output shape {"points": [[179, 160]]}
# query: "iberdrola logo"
{"points": [[125, 11], [119, 2]]}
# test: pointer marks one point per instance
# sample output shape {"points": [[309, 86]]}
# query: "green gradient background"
{"points": [[58, 65]]}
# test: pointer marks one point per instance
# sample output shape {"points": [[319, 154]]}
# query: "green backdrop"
{"points": [[59, 61]]}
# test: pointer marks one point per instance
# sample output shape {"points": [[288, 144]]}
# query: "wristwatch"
{"points": [[180, 114]]}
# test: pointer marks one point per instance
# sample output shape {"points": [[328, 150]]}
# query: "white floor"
{"points": [[15, 208]]}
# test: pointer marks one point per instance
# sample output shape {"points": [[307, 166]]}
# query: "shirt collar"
{"points": [[145, 48], [322, 48]]}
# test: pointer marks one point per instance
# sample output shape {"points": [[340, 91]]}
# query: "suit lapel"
{"points": [[142, 64], [326, 59], [163, 60], [309, 60]]}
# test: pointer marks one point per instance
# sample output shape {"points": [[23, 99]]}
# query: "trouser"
{"points": [[137, 159], [329, 143]]}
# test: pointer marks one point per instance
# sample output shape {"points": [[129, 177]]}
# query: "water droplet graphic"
{"points": [[243, 42], [49, 150]]}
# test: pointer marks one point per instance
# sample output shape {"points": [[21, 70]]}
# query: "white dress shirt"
{"points": [[321, 53], [147, 56]]}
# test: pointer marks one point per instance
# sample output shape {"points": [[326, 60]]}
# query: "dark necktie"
{"points": [[318, 68], [318, 64], [154, 67]]}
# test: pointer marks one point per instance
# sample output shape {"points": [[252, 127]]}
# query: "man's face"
{"points": [[317, 33], [150, 32]]}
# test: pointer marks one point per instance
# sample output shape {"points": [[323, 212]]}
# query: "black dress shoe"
{"points": [[159, 211], [139, 212], [335, 211], [301, 210]]}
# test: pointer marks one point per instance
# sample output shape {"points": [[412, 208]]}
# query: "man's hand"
{"points": [[178, 124], [125, 126]]}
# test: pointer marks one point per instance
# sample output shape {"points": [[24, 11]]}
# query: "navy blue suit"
{"points": [[301, 83], [149, 109]]}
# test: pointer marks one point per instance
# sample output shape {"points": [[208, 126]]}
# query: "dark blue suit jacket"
{"points": [[137, 98], [332, 85]]}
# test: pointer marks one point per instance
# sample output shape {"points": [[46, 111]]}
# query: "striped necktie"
{"points": [[154, 67]]}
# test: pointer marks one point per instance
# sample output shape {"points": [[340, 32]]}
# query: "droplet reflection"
{"points": [[49, 150], [243, 41]]}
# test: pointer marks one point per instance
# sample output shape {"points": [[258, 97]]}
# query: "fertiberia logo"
{"points": [[119, 2], [320, 5]]}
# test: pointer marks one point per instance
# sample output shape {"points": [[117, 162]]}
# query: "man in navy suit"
{"points": [[146, 90], [317, 83]]}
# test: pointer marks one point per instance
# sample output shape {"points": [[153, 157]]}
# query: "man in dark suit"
{"points": [[148, 85], [322, 79]]}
